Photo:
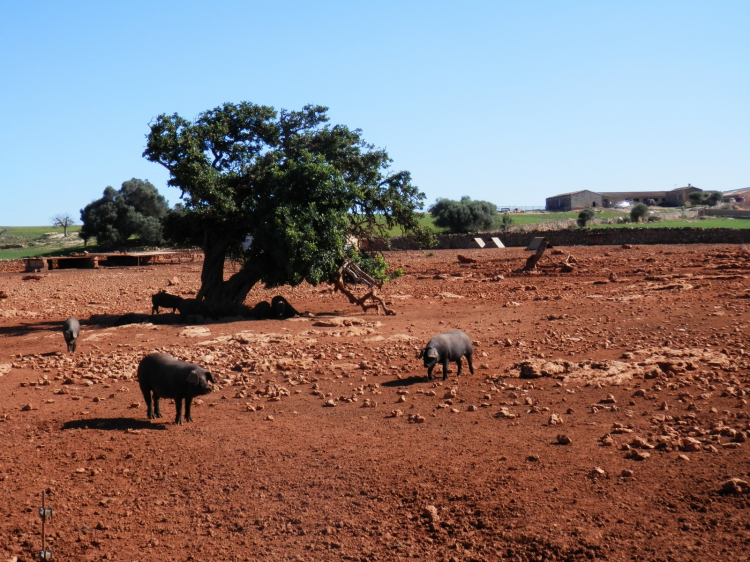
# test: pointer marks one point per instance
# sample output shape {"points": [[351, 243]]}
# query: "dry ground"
{"points": [[637, 357]]}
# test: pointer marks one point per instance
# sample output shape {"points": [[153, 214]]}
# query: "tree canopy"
{"points": [[136, 209], [281, 192], [465, 215]]}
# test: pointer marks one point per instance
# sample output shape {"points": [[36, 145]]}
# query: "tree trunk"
{"points": [[215, 293]]}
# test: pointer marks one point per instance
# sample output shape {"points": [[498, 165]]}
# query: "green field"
{"points": [[522, 219], [36, 243]]}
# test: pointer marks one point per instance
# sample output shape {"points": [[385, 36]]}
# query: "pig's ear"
{"points": [[421, 354], [432, 353], [209, 377], [193, 377]]}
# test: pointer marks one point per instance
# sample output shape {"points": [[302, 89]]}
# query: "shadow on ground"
{"points": [[117, 424], [406, 382]]}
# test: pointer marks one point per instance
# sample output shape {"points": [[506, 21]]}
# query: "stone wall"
{"points": [[587, 237], [7, 266]]}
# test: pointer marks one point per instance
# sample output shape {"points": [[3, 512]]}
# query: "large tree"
{"points": [[280, 192], [136, 209]]}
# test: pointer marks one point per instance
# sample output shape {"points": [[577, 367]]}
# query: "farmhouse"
{"points": [[573, 201], [582, 199]]}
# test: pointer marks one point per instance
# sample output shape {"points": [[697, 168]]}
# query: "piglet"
{"points": [[71, 328], [166, 377], [444, 348]]}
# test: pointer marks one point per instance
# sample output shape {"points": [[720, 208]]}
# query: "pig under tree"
{"points": [[281, 192]]}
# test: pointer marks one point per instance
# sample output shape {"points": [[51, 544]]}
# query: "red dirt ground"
{"points": [[638, 356]]}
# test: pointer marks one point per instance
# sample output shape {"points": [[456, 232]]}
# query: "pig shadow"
{"points": [[406, 382], [116, 424]]}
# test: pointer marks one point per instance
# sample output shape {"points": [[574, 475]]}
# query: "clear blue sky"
{"points": [[505, 101]]}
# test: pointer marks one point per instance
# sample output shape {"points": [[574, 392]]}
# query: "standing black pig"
{"points": [[71, 328], [167, 377], [165, 300], [444, 348]]}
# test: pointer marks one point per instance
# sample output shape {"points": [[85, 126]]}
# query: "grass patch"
{"points": [[37, 244]]}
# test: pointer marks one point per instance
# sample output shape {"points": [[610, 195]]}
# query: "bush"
{"points": [[585, 216], [653, 218], [506, 222], [464, 216], [639, 211]]}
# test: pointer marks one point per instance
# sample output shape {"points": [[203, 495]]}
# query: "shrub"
{"points": [[638, 212], [506, 222], [465, 215], [654, 218], [585, 216]]}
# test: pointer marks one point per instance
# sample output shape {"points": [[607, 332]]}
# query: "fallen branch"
{"points": [[353, 270]]}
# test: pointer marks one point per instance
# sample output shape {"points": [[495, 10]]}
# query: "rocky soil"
{"points": [[607, 417]]}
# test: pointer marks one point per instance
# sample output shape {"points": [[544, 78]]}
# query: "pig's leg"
{"points": [[429, 372], [445, 368], [178, 418], [149, 406], [458, 362], [157, 409], [188, 402], [468, 360]]}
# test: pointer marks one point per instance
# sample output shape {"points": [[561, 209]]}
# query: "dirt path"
{"points": [[638, 358]]}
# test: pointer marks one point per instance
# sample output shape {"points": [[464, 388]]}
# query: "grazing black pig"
{"points": [[444, 348], [165, 300], [71, 328], [167, 377]]}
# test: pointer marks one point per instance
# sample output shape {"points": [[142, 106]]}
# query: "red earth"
{"points": [[324, 440]]}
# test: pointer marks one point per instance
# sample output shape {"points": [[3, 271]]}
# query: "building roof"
{"points": [[736, 191], [574, 193], [687, 187]]}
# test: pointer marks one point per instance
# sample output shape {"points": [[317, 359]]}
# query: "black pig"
{"points": [[167, 377], [165, 300], [444, 348], [71, 328]]}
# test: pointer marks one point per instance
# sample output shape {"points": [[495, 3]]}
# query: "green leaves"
{"points": [[136, 209], [294, 183], [464, 215]]}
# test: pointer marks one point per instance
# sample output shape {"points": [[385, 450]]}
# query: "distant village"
{"points": [[678, 197]]}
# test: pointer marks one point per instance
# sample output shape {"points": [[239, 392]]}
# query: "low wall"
{"points": [[586, 237], [7, 266], [730, 213]]}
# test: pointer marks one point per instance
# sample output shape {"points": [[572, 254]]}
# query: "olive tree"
{"points": [[465, 215], [281, 192]]}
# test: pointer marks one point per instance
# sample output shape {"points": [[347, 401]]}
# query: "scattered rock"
{"points": [[554, 419], [329, 403], [563, 439], [735, 486], [431, 512]]}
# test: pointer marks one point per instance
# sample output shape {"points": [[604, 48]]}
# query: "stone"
{"points": [[689, 444], [636, 455], [554, 419], [626, 473], [563, 439], [329, 403], [735, 486], [431, 512]]}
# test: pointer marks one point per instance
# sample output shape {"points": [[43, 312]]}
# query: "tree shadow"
{"points": [[113, 424], [406, 382]]}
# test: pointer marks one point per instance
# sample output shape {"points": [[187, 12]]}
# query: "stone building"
{"points": [[679, 197], [574, 201]]}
